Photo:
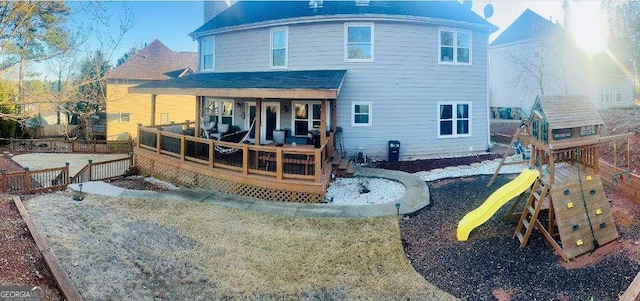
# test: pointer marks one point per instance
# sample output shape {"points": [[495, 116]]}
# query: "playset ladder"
{"points": [[506, 154], [529, 217]]}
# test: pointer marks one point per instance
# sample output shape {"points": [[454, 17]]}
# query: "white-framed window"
{"points": [[279, 48], [358, 42], [361, 113], [124, 117], [306, 115], [208, 53], [454, 46], [454, 119], [164, 118], [218, 110]]}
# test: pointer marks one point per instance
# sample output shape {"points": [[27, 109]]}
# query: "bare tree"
{"points": [[624, 25], [539, 66]]}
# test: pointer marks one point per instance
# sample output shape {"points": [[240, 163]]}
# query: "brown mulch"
{"points": [[429, 164], [491, 264], [137, 183], [21, 263]]}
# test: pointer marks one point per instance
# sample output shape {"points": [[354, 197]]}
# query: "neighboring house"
{"points": [[534, 56], [125, 110], [410, 71]]}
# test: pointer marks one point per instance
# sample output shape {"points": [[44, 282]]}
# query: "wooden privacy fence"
{"points": [[69, 146], [34, 181], [103, 170]]}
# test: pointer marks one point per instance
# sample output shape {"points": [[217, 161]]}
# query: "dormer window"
{"points": [[279, 47], [358, 42], [207, 54]]}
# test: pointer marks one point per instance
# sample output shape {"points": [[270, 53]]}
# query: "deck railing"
{"points": [[302, 162], [103, 170]]}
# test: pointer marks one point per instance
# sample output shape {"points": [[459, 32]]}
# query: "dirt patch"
{"points": [[491, 260], [137, 183]]}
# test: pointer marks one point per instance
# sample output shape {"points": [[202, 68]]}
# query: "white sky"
{"points": [[505, 12]]}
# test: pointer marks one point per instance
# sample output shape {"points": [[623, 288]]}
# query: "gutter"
{"points": [[344, 18]]}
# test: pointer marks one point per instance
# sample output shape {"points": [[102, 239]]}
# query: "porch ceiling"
{"points": [[313, 84]]}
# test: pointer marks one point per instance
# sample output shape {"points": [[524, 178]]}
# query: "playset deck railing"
{"points": [[300, 162]]}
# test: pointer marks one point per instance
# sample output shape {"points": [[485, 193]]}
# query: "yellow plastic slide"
{"points": [[500, 197]]}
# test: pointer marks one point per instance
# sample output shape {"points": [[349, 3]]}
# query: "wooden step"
{"points": [[526, 224], [519, 236], [531, 209], [343, 164], [337, 158]]}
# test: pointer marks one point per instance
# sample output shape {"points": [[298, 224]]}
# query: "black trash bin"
{"points": [[394, 150]]}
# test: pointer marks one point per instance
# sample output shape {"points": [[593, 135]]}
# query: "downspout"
{"points": [[487, 99]]}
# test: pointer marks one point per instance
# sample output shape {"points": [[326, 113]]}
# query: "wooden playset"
{"points": [[567, 204]]}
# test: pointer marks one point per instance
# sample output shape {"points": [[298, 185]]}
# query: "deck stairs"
{"points": [[342, 167]]}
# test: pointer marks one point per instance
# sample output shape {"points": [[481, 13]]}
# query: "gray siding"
{"points": [[404, 83]]}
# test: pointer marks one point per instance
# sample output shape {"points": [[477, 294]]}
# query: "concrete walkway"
{"points": [[416, 198]]}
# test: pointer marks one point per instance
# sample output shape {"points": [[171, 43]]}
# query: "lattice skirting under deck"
{"points": [[188, 178]]}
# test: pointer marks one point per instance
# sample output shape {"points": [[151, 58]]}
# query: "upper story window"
{"points": [[207, 53], [454, 46], [358, 42], [279, 47]]}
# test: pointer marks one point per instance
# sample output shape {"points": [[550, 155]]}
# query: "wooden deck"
{"points": [[283, 173]]}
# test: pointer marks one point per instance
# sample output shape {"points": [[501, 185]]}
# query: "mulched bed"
{"points": [[491, 265], [429, 164], [21, 263]]}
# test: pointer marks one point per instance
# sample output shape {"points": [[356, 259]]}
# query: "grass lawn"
{"points": [[126, 248]]}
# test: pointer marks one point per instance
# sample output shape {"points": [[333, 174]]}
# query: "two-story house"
{"points": [[361, 73], [155, 62]]}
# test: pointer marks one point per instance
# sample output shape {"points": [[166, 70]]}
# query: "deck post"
{"points": [[317, 165], [159, 140], [212, 152], [198, 116], [323, 122], [245, 159], [256, 126], [153, 109], [279, 166], [595, 161], [183, 147]]}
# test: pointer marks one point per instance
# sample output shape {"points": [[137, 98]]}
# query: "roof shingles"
{"points": [[156, 62], [249, 12]]}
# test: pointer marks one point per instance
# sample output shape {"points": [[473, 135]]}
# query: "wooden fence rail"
{"points": [[69, 146], [103, 170], [34, 181]]}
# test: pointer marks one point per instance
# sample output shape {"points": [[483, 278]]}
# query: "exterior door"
{"points": [[250, 116], [270, 120]]}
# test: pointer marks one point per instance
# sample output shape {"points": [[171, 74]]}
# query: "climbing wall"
{"points": [[583, 215]]}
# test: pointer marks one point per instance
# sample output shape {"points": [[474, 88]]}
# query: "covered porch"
{"points": [[268, 135]]}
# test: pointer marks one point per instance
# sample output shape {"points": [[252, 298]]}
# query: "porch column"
{"points": [[323, 122], [198, 116], [256, 127], [334, 118], [153, 109]]}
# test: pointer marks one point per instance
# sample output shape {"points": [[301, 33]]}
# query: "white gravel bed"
{"points": [[48, 160], [160, 183], [346, 191], [483, 168]]}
